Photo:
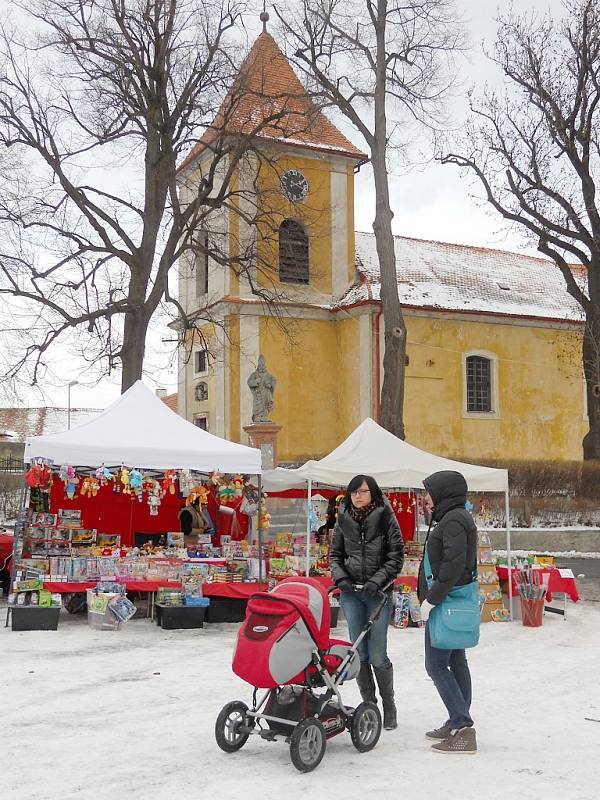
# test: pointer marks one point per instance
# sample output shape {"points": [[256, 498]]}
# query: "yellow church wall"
{"points": [[347, 377], [350, 223], [314, 213], [192, 407], [306, 395], [539, 390]]}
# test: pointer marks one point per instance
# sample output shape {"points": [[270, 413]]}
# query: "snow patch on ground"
{"points": [[130, 714]]}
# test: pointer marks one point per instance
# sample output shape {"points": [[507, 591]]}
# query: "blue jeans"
{"points": [[449, 671], [357, 608]]}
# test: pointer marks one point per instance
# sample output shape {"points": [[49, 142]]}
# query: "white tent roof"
{"points": [[139, 430], [371, 450]]}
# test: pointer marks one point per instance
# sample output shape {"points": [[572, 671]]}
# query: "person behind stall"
{"points": [[366, 555], [452, 550], [324, 532], [191, 522]]}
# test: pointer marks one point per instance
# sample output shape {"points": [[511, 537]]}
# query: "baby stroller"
{"points": [[283, 646]]}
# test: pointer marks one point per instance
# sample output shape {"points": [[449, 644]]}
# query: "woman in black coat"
{"points": [[452, 550], [366, 555]]}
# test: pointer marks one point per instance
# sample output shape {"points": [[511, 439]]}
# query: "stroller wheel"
{"points": [[366, 727], [227, 727], [307, 744]]}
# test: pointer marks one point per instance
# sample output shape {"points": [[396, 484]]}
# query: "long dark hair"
{"points": [[356, 483]]}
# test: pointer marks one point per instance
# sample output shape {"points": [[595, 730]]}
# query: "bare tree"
{"points": [[535, 150], [99, 105], [384, 64]]}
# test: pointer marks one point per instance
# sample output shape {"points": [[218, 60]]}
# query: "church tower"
{"points": [[294, 221]]}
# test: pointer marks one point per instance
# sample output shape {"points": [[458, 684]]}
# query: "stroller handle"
{"points": [[360, 586]]}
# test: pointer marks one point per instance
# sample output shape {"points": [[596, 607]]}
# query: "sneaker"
{"points": [[460, 741], [443, 732]]}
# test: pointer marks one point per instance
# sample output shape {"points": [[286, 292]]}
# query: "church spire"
{"points": [[264, 16]]}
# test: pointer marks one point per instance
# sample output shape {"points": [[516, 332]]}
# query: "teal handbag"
{"points": [[454, 623]]}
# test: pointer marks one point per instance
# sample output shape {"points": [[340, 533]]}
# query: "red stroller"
{"points": [[283, 646]]}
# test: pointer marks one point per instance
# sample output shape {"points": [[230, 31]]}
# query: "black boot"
{"points": [[366, 684], [385, 681]]}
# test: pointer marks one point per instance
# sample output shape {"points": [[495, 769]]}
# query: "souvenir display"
{"points": [[490, 595]]}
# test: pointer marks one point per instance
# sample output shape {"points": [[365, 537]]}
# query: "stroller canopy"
{"points": [[310, 598]]}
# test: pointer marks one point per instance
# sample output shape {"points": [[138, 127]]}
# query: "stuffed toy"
{"points": [[89, 486], [264, 518], [136, 481], [71, 481], [226, 492], [198, 491], [168, 483], [238, 485], [124, 477], [103, 475], [155, 496], [186, 482], [215, 478]]}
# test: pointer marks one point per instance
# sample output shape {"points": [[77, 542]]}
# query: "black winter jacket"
{"points": [[372, 550], [452, 543]]}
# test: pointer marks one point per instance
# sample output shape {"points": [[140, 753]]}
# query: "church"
{"points": [[493, 365]]}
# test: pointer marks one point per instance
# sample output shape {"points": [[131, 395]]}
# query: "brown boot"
{"points": [[366, 684], [460, 741]]}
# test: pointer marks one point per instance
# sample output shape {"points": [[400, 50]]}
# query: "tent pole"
{"points": [[308, 499], [508, 555], [259, 531]]}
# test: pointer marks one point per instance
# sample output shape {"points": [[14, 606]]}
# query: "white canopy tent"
{"points": [[371, 450], [139, 430]]}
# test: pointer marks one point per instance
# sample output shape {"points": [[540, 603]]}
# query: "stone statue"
{"points": [[262, 386]]}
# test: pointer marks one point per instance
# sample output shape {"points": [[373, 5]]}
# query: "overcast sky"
{"points": [[433, 202]]}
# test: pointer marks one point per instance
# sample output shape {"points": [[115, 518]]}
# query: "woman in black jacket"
{"points": [[367, 551], [452, 550]]}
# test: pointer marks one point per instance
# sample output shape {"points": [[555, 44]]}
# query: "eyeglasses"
{"points": [[360, 492]]}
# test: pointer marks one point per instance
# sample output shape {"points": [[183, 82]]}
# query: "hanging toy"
{"points": [[136, 481], [71, 482], [215, 477], [125, 482], [226, 492], [238, 485], [103, 475], [186, 482], [89, 486], [264, 518], [168, 482], [155, 496]]}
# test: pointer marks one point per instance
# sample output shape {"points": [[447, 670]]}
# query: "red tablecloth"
{"points": [[131, 586], [556, 583]]}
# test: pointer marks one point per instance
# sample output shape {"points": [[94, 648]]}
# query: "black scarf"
{"points": [[360, 514]]}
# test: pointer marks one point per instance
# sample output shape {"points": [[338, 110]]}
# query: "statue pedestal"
{"points": [[263, 435]]}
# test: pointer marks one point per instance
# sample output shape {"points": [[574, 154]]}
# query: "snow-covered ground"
{"points": [[130, 714]]}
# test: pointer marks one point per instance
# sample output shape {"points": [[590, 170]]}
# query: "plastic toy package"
{"points": [[121, 608]]}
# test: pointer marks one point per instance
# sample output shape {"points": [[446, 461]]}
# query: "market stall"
{"points": [[105, 499], [395, 464]]}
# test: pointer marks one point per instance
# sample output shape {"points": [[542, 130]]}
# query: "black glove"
{"points": [[345, 585], [370, 588]]}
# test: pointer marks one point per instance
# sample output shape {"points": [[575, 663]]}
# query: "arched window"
{"points": [[293, 252], [478, 376]]}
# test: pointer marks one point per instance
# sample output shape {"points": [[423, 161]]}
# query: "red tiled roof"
{"points": [[268, 100], [26, 422], [171, 401]]}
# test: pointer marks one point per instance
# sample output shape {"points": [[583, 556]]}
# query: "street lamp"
{"points": [[70, 384]]}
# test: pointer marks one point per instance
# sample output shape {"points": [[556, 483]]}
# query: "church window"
{"points": [[200, 362], [201, 263], [479, 384], [293, 252]]}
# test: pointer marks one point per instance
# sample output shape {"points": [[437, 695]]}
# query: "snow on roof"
{"points": [[460, 278], [26, 422]]}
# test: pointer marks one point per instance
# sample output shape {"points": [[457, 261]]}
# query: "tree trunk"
{"points": [[591, 368], [394, 355], [134, 346]]}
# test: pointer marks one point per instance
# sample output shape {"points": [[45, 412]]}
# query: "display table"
{"points": [[561, 581]]}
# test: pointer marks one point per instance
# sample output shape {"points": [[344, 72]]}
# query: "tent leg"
{"points": [[259, 532], [508, 553], [308, 499]]}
